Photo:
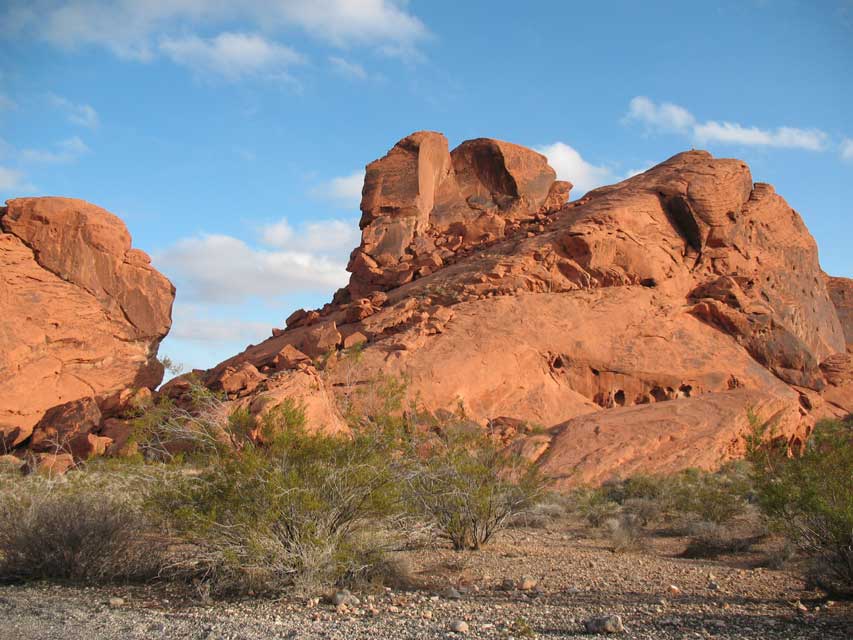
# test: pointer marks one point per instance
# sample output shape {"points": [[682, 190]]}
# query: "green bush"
{"points": [[595, 505], [287, 512], [809, 497], [710, 497], [467, 487]]}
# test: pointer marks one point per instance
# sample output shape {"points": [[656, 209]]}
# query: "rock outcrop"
{"points": [[422, 203], [83, 316], [641, 325]]}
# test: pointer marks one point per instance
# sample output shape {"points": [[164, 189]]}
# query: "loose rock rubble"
{"points": [[585, 591]]}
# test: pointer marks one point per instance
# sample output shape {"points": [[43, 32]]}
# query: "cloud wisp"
{"points": [[83, 115], [231, 55], [181, 30], [14, 181], [342, 191], [846, 149], [66, 151], [666, 117]]}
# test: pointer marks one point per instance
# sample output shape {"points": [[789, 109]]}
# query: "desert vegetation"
{"points": [[215, 499], [212, 497]]}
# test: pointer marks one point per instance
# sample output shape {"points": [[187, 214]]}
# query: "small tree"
{"points": [[810, 497]]}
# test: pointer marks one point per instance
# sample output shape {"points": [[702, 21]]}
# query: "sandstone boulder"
{"points": [[63, 423], [83, 312]]}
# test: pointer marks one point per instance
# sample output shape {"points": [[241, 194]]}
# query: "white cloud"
{"points": [[231, 55], [785, 137], [80, 114], [847, 149], [671, 118], [278, 234], [131, 29], [224, 269], [344, 191], [342, 22], [569, 165], [323, 236], [197, 323], [347, 68], [12, 180], [665, 117], [66, 151]]}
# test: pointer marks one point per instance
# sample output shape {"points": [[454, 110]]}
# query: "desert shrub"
{"points": [[289, 512], [467, 487], [550, 508], [198, 426], [711, 539], [809, 497], [89, 527], [710, 497], [626, 533], [595, 505]]}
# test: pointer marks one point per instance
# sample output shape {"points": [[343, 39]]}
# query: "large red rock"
{"points": [[841, 292], [83, 312], [659, 312], [421, 192]]}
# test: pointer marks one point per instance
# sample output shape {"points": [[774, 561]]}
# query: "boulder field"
{"points": [[83, 314], [645, 327]]}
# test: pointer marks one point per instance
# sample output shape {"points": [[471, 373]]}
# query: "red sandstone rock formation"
{"points": [[641, 324], [82, 316]]}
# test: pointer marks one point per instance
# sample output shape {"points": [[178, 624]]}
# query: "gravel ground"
{"points": [[656, 594]]}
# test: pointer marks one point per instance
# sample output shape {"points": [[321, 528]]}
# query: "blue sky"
{"points": [[231, 136]]}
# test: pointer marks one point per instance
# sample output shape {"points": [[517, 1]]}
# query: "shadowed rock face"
{"points": [[640, 324], [83, 312]]}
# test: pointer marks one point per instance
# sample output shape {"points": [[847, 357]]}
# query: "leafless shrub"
{"points": [[626, 533], [81, 529]]}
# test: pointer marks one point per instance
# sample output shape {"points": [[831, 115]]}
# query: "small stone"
{"points": [[452, 594], [459, 626], [604, 624], [713, 586], [673, 590], [527, 583]]}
